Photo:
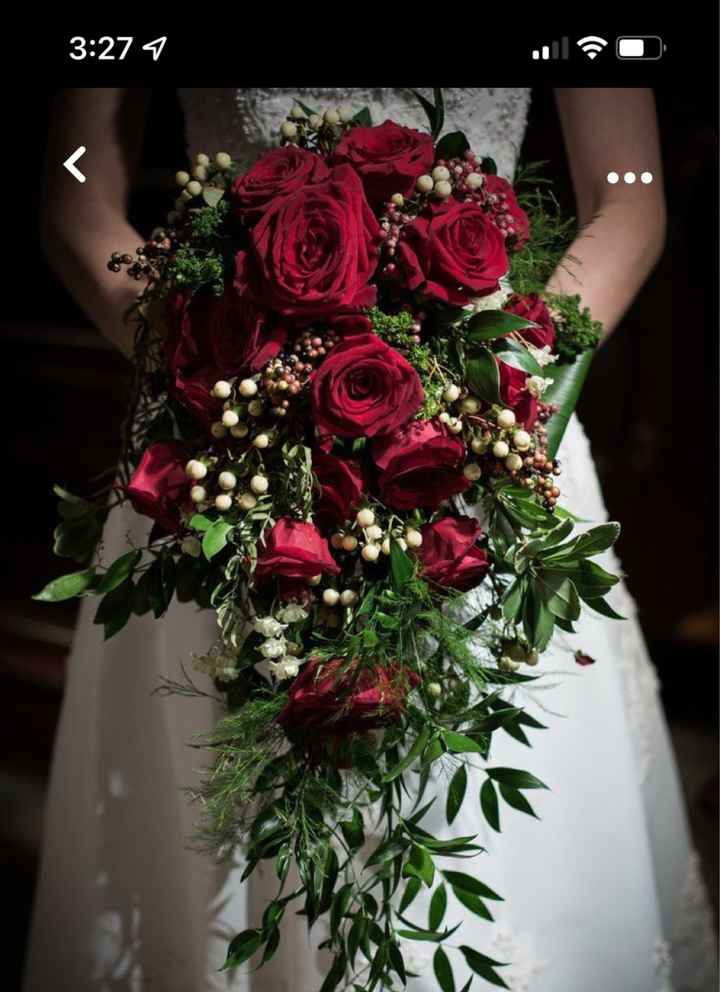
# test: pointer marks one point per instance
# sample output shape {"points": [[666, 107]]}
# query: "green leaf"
{"points": [[489, 803], [353, 831], [565, 390], [513, 598], [456, 793], [420, 742], [363, 118], [271, 946], [488, 166], [335, 975], [468, 883], [490, 324], [385, 852], [538, 622], [438, 905], [200, 522], [215, 538], [518, 356], [212, 195], [452, 145], [600, 606], [411, 890], [77, 538], [517, 800], [459, 743], [559, 595], [420, 865], [435, 111], [67, 586], [119, 571], [401, 566], [483, 376], [305, 108], [396, 960], [473, 903], [115, 606], [433, 751], [516, 778], [443, 971], [430, 935], [483, 966], [242, 948]]}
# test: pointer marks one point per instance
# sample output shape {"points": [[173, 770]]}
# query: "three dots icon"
{"points": [[629, 178]]}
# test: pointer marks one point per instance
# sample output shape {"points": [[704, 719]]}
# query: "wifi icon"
{"points": [[592, 45]]}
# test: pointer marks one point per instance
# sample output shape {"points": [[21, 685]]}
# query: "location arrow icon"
{"points": [[69, 163]]}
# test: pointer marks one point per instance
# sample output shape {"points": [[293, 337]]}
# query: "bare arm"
{"points": [[622, 227], [83, 223]]}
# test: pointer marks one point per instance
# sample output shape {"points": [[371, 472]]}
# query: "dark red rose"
{"points": [[388, 158], [351, 323], [159, 486], [294, 550], [313, 252], [450, 555], [507, 211], [364, 388], [210, 338], [419, 465], [452, 253], [294, 591], [277, 173], [321, 699], [532, 307], [342, 488], [515, 394]]}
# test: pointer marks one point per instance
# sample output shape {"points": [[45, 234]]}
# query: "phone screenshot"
{"points": [[359, 605]]}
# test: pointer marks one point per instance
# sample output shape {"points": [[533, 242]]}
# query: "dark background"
{"points": [[649, 409]]}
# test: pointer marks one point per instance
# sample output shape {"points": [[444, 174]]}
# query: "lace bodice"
{"points": [[245, 122]]}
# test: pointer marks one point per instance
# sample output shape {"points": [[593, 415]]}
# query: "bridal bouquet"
{"points": [[350, 389]]}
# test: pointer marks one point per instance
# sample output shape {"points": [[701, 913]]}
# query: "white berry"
{"points": [[443, 189], [413, 537], [195, 469], [315, 121], [505, 419], [218, 429], [365, 518], [434, 689], [374, 533], [469, 405], [198, 494], [349, 543], [398, 199], [255, 408], [194, 188], [385, 546], [259, 484], [474, 180], [451, 393], [226, 480], [248, 388], [202, 159], [522, 440], [345, 114], [371, 552], [348, 597], [261, 441], [221, 390], [223, 502], [239, 430], [513, 462], [230, 418], [297, 112], [472, 471], [444, 417], [330, 597], [182, 178], [247, 501], [223, 160], [478, 445], [440, 173], [289, 130], [336, 541], [200, 172], [425, 184], [500, 449], [314, 580], [455, 425], [191, 546]]}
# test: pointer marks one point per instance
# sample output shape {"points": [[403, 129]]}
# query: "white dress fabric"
{"points": [[602, 894]]}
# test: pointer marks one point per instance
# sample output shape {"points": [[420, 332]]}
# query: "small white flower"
{"points": [[290, 668], [292, 613], [268, 627], [543, 356], [537, 385], [273, 648]]}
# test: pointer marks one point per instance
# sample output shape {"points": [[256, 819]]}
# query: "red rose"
{"points": [[419, 465], [532, 307], [351, 323], [452, 253], [515, 394], [388, 158], [159, 485], [294, 550], [506, 210], [210, 338], [342, 486], [363, 388], [313, 252], [450, 555], [277, 173], [321, 699]]}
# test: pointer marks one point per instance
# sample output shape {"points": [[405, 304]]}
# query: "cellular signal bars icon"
{"points": [[558, 50]]}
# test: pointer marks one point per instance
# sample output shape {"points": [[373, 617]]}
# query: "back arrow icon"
{"points": [[69, 163]]}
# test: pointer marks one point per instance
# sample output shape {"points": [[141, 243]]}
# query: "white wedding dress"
{"points": [[602, 893]]}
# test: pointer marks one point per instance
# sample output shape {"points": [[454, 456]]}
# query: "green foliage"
{"points": [[194, 269], [576, 331]]}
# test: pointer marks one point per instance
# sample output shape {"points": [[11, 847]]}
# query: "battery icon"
{"points": [[639, 47]]}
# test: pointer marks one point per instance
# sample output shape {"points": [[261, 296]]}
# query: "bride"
{"points": [[604, 893]]}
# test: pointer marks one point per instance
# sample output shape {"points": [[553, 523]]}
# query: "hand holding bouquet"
{"points": [[350, 389]]}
